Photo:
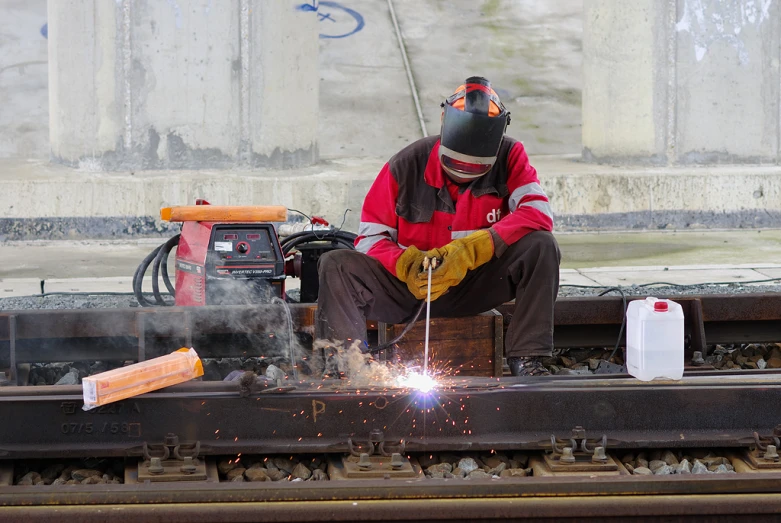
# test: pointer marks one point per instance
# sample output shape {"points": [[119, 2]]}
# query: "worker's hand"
{"points": [[408, 266], [458, 257]]}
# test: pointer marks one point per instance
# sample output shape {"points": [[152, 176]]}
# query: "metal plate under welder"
{"points": [[204, 471], [550, 465], [347, 468]]}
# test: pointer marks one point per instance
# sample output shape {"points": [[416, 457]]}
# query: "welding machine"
{"points": [[227, 255], [232, 255], [220, 263]]}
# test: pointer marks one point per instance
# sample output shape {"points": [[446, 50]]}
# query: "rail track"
{"points": [[364, 437]]}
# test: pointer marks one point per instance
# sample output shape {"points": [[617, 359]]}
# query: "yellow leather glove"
{"points": [[457, 257], [408, 266]]}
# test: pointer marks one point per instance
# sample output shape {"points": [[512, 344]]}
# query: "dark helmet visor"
{"points": [[472, 134]]}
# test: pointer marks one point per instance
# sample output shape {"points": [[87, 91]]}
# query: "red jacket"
{"points": [[411, 203]]}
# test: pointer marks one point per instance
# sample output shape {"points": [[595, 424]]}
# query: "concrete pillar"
{"points": [[185, 84], [681, 81]]}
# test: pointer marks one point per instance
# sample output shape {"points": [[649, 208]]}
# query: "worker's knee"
{"points": [[543, 243], [546, 243], [334, 260]]}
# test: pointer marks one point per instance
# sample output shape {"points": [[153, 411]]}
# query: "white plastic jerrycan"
{"points": [[654, 339]]}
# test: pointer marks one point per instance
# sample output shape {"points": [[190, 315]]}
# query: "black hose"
{"points": [[138, 278], [161, 265], [319, 235], [158, 258], [287, 247], [346, 239], [164, 267]]}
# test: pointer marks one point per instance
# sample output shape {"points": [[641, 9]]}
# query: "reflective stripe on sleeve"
{"points": [[524, 190], [370, 233], [367, 242], [373, 229], [543, 207]]}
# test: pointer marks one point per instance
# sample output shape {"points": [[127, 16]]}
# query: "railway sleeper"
{"points": [[415, 466]]}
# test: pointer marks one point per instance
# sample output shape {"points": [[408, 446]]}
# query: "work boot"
{"points": [[527, 367]]}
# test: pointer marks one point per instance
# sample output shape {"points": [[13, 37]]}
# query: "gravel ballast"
{"points": [[97, 301]]}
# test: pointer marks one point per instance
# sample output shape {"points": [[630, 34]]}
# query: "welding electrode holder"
{"points": [[434, 262]]}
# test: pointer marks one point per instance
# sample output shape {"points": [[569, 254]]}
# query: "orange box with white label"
{"points": [[126, 382]]}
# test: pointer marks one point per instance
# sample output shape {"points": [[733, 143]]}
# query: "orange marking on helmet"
{"points": [[493, 110]]}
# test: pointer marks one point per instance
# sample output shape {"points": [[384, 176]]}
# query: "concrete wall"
{"points": [[681, 81], [147, 84], [47, 201], [24, 117]]}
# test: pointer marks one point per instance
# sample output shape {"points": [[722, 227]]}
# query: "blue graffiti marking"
{"points": [[45, 30], [308, 7], [349, 21], [357, 19]]}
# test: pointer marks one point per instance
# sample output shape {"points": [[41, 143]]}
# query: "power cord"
{"points": [[407, 328], [311, 220], [652, 284], [669, 284], [623, 317]]}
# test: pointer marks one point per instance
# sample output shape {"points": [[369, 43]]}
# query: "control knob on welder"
{"points": [[242, 248]]}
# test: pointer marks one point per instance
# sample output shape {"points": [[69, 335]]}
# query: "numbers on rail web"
{"points": [[117, 428], [123, 407], [107, 427]]}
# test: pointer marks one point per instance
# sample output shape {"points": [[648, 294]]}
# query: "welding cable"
{"points": [[138, 277], [158, 258], [160, 265], [623, 317], [346, 239], [387, 345]]}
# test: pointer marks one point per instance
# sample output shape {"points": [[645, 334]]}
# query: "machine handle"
{"points": [[224, 213]]}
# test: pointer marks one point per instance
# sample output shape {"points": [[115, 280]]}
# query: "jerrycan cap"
{"points": [[660, 306]]}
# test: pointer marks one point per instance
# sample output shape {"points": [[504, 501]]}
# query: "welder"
{"points": [[469, 198]]}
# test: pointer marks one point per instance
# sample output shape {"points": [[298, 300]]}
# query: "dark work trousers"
{"points": [[355, 287]]}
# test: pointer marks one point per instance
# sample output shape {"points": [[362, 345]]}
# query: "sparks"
{"points": [[418, 381]]}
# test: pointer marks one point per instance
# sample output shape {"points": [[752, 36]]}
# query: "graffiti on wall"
{"points": [[711, 21], [336, 20]]}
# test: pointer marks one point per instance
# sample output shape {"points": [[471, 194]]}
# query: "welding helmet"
{"points": [[473, 124]]}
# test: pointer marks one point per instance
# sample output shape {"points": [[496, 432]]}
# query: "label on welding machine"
{"points": [[223, 246], [248, 272], [188, 267]]}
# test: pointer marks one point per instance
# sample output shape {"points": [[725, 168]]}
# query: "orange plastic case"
{"points": [[126, 382]]}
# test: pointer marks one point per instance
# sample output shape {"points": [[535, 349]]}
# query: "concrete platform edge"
{"points": [[124, 227], [45, 201]]}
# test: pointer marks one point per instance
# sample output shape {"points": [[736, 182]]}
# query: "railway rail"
{"points": [[366, 428]]}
